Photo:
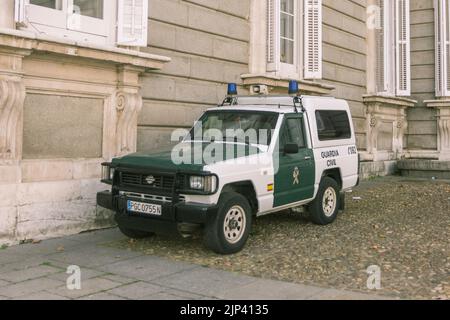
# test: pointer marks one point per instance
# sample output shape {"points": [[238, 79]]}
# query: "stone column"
{"points": [[12, 97], [443, 124]]}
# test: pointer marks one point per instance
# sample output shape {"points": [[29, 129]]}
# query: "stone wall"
{"points": [[422, 124], [344, 57], [208, 42]]}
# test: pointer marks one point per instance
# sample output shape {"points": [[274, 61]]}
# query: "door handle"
{"points": [[308, 158]]}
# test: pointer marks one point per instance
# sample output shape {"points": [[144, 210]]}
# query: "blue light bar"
{"points": [[232, 89], [293, 87]]}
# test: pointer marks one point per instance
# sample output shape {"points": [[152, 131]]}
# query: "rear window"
{"points": [[333, 125]]}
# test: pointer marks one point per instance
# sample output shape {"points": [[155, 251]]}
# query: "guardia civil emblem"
{"points": [[296, 176]]}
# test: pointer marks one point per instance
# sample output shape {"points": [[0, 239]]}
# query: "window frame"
{"points": [[393, 75], [284, 128], [442, 47], [346, 137], [62, 23], [274, 65]]}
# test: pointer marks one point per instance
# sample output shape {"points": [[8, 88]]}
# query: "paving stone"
{"points": [[92, 256], [333, 294], [43, 248], [170, 294], [39, 296], [98, 237], [3, 283], [29, 273], [86, 274], [203, 281], [146, 268], [23, 263], [278, 291], [88, 287], [29, 287], [120, 279], [102, 296], [136, 290]]}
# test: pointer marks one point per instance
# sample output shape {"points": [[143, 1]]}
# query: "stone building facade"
{"points": [[84, 81]]}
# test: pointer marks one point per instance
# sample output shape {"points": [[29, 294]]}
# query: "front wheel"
{"points": [[228, 231], [324, 209]]}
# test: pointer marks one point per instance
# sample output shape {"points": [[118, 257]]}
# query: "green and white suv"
{"points": [[249, 157]]}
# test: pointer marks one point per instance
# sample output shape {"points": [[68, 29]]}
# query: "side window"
{"points": [[293, 132], [333, 125]]}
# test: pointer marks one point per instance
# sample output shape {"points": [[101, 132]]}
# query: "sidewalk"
{"points": [[38, 272]]}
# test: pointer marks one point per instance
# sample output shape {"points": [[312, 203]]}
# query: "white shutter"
{"points": [[381, 37], [273, 35], [132, 23], [313, 39], [19, 11], [403, 65], [442, 47]]}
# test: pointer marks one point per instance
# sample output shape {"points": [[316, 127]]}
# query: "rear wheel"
{"points": [[135, 234], [324, 209], [228, 231]]}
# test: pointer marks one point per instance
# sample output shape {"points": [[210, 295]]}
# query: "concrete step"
{"points": [[420, 168]]}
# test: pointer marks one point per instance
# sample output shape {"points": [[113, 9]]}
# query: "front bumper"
{"points": [[172, 214]]}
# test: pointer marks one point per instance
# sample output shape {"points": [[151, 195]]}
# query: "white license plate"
{"points": [[145, 208]]}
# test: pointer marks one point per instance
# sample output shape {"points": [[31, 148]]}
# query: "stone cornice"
{"points": [[442, 103], [388, 100], [17, 40], [273, 82]]}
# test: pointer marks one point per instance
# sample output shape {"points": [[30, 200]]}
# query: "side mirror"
{"points": [[291, 148]]}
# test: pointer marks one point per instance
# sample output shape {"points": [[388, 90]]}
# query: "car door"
{"points": [[294, 179]]}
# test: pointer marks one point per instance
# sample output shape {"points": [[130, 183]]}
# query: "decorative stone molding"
{"points": [[280, 86], [386, 126], [443, 124], [12, 97], [128, 106]]}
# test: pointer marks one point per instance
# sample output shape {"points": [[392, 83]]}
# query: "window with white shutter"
{"points": [[108, 22], [313, 39], [403, 64], [294, 38], [132, 22], [393, 75], [442, 31]]}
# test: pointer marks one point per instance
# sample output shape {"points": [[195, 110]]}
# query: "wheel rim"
{"points": [[234, 224], [329, 202]]}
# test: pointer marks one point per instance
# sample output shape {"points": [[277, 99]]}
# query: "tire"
{"points": [[228, 232], [135, 234], [324, 209]]}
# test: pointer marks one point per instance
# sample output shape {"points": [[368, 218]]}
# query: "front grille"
{"points": [[155, 181]]}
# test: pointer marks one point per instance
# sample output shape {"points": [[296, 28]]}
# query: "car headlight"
{"points": [[107, 173], [203, 183]]}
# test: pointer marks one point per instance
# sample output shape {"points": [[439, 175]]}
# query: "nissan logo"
{"points": [[150, 180]]}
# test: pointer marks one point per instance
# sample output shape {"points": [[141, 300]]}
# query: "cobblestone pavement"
{"points": [[400, 225], [38, 272]]}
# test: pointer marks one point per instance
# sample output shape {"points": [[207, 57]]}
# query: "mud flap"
{"points": [[342, 201]]}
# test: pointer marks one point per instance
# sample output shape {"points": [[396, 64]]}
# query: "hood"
{"points": [[189, 158]]}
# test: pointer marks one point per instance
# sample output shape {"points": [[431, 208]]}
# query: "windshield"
{"points": [[239, 127]]}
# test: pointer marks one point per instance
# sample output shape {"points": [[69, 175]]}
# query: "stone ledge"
{"points": [[443, 103], [391, 101], [425, 168], [16, 40], [278, 84]]}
